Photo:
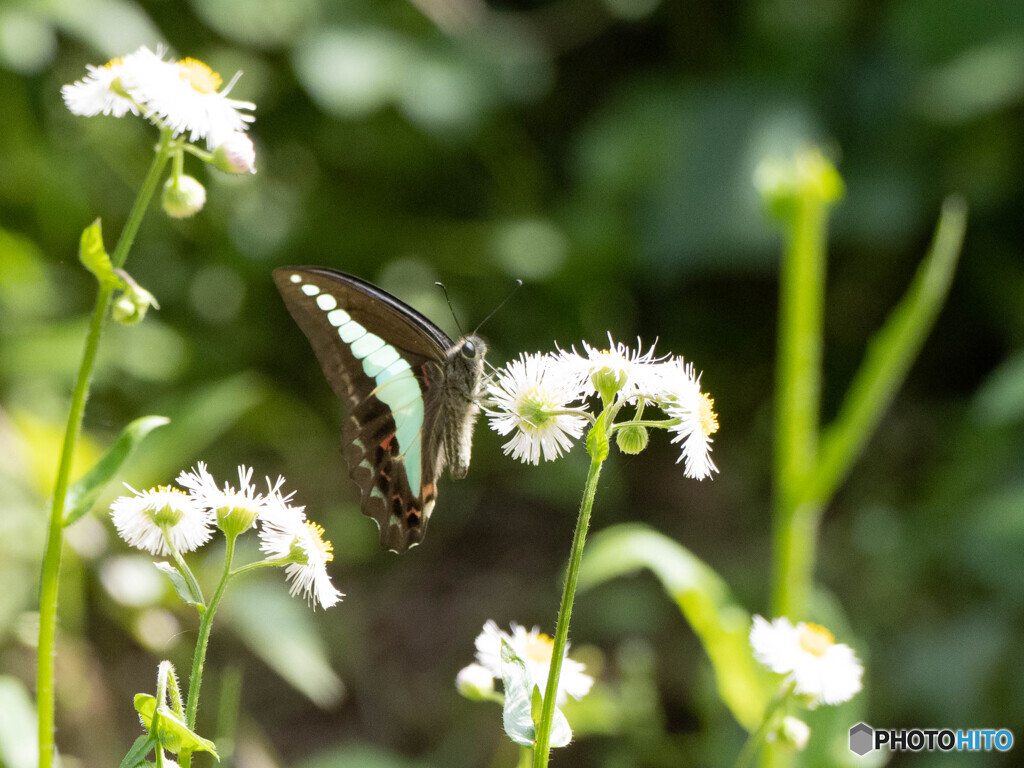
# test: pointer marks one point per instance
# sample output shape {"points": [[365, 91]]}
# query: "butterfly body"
{"points": [[410, 392]]}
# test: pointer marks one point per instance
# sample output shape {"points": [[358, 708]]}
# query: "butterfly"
{"points": [[411, 393]]}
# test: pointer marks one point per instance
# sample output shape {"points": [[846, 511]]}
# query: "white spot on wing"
{"points": [[310, 290], [325, 301], [338, 317], [296, 278], [351, 331]]}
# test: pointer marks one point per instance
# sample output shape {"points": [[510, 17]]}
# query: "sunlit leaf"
{"points": [[173, 735], [83, 492], [517, 712], [181, 585], [720, 623], [94, 256]]}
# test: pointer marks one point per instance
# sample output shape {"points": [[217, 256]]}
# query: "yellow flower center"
{"points": [[199, 76], [539, 648], [316, 536], [114, 63], [708, 417], [815, 639]]}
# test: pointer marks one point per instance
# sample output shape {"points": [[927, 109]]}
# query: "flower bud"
{"points": [[791, 733], [183, 197], [631, 439], [235, 154], [808, 174], [475, 682], [131, 306]]}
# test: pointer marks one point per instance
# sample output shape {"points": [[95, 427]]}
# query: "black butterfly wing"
{"points": [[383, 359]]}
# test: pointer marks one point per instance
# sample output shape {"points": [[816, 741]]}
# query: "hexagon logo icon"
{"points": [[862, 738]]}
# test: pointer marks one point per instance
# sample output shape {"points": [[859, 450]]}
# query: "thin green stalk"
{"points": [[757, 739], [50, 577], [798, 393], [202, 641], [542, 747]]}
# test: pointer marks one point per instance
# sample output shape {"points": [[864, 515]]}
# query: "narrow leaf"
{"points": [[890, 355], [94, 256], [173, 735], [720, 623], [181, 585], [137, 754], [83, 493], [597, 439], [517, 715]]}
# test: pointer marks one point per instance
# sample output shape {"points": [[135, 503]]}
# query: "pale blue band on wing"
{"points": [[396, 386]]}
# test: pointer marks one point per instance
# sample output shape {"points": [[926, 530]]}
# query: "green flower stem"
{"points": [[797, 397], [185, 571], [279, 562], [650, 423], [542, 747], [202, 641], [50, 577], [756, 739]]}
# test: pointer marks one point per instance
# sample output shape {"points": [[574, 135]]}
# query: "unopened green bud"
{"points": [[475, 683], [183, 196], [235, 154], [808, 174], [130, 307], [631, 439]]}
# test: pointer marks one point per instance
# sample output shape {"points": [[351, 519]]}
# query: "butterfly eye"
{"points": [[468, 349]]}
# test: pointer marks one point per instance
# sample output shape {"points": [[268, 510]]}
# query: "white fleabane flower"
{"points": [[143, 519], [185, 98], [826, 671], [532, 397], [535, 649], [236, 510], [109, 89], [618, 368], [180, 95], [680, 397], [286, 533]]}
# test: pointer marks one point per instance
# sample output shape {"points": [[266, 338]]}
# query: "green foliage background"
{"points": [[602, 151]]}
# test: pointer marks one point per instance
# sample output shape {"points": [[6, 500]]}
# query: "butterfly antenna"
{"points": [[444, 288], [516, 287]]}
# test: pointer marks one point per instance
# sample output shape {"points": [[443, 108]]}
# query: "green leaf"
{"points": [[890, 355], [720, 623], [173, 735], [83, 493], [597, 439], [517, 713], [181, 585], [94, 256], [137, 754]]}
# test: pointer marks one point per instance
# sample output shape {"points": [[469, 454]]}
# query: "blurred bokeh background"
{"points": [[602, 151]]}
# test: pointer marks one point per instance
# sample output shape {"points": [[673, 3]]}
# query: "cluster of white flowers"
{"points": [[163, 518], [540, 399], [535, 649], [819, 668], [182, 96]]}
